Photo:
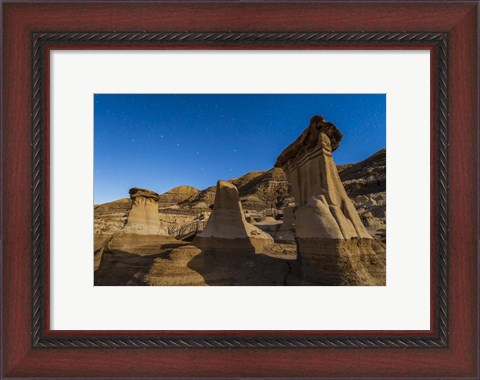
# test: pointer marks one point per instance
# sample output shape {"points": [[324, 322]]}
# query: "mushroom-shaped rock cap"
{"points": [[310, 138], [137, 192], [221, 183]]}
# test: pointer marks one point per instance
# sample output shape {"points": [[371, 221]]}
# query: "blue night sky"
{"points": [[161, 141]]}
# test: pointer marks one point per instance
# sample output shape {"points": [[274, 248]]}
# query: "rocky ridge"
{"points": [[306, 221], [364, 182], [176, 195]]}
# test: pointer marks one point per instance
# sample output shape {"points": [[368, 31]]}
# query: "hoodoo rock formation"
{"points": [[229, 251], [123, 255], [227, 229], [143, 216], [334, 247]]}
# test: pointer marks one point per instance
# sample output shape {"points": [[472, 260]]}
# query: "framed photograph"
{"points": [[240, 190]]}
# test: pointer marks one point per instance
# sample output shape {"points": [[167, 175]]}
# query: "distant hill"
{"points": [[176, 195], [367, 176], [270, 189]]}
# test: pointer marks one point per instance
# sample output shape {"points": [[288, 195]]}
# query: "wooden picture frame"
{"points": [[448, 30]]}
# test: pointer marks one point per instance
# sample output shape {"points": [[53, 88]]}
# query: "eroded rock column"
{"points": [[227, 230], [130, 253], [334, 247], [143, 216], [143, 233]]}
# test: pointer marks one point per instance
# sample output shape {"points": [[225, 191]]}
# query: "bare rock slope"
{"points": [[176, 195], [367, 176], [227, 230], [364, 182], [132, 246], [333, 245]]}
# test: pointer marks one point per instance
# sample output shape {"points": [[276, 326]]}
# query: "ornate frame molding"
{"points": [[40, 39]]}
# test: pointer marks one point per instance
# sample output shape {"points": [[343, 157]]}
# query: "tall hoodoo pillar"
{"points": [[331, 238], [227, 230]]}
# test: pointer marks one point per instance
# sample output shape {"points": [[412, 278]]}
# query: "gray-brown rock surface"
{"points": [[323, 208], [111, 217], [128, 257], [269, 225], [143, 216], [367, 176], [142, 254], [227, 229], [176, 195], [189, 265], [206, 196], [286, 231], [333, 245], [117, 252], [262, 190]]}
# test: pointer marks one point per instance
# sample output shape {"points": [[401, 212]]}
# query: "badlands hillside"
{"points": [[263, 195]]}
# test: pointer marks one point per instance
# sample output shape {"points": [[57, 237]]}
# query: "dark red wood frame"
{"points": [[459, 359]]}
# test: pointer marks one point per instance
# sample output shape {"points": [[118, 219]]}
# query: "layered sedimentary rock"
{"points": [[269, 225], [206, 196], [286, 232], [365, 183], [176, 195], [367, 176], [122, 256], [266, 190], [372, 211], [227, 230], [128, 257], [334, 247], [189, 265], [258, 190], [100, 241], [111, 217]]}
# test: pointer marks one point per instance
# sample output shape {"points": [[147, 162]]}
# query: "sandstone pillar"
{"points": [[143, 233], [332, 242], [227, 230], [143, 216]]}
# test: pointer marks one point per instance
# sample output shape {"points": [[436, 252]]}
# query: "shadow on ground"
{"points": [[185, 265]]}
